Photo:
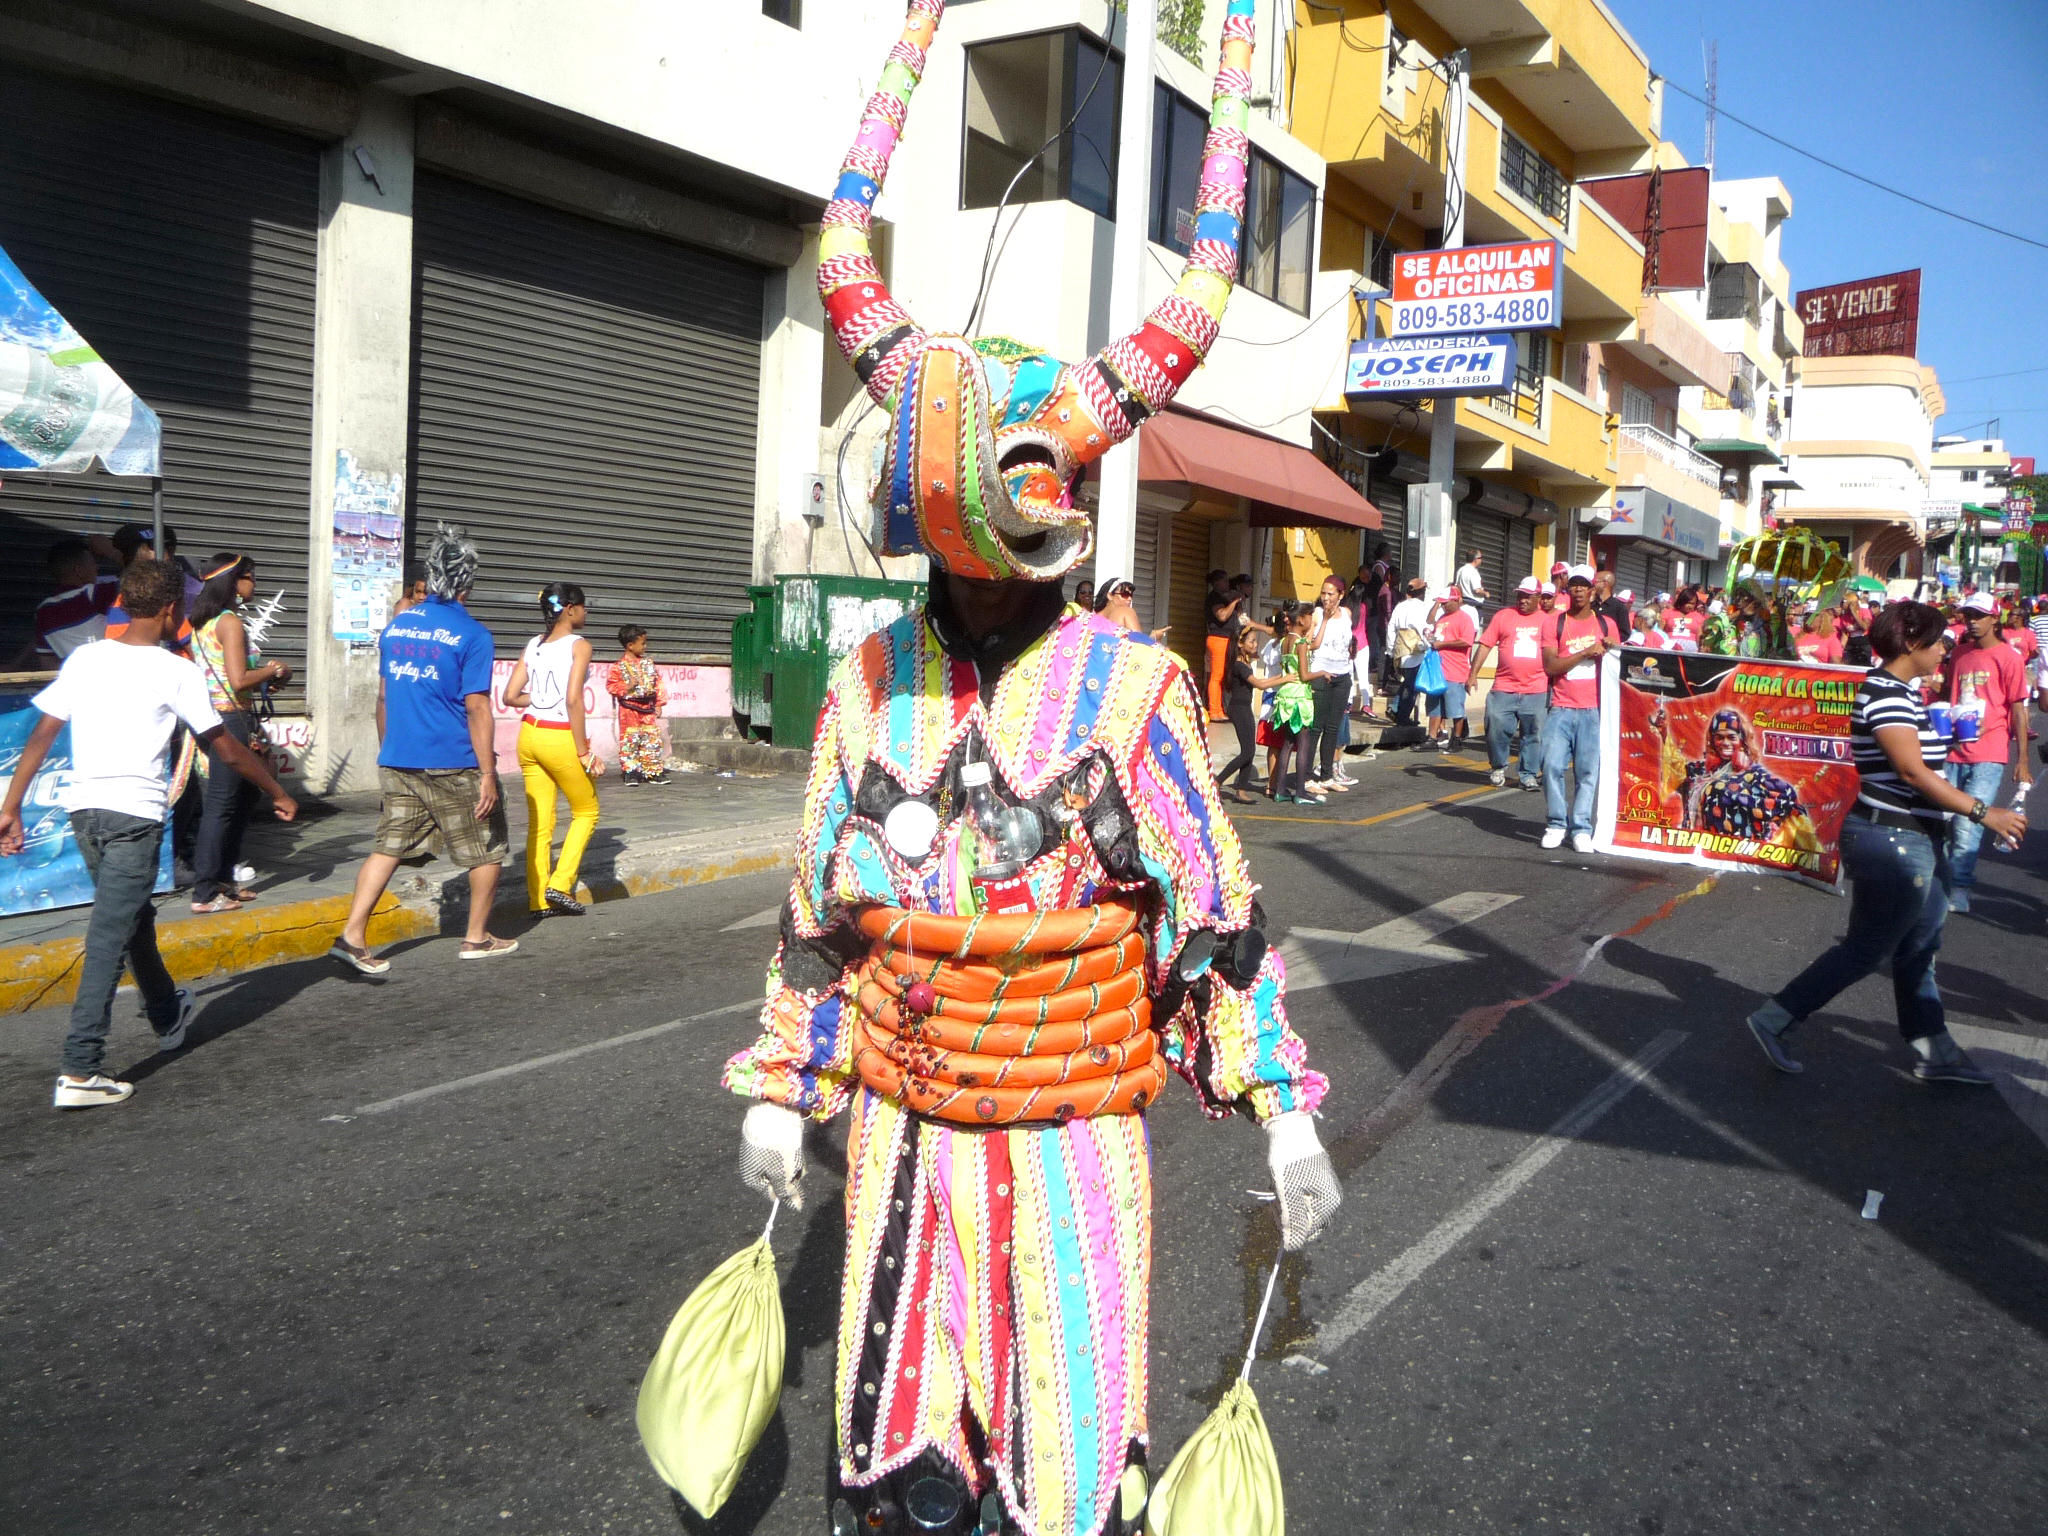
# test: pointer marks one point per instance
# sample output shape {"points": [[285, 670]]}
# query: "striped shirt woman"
{"points": [[1883, 701]]}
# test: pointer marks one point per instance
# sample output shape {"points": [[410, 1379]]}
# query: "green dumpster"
{"points": [[784, 651]]}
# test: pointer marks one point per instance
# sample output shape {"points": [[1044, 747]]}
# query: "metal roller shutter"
{"points": [[1521, 558], [1391, 497], [584, 402], [1145, 575], [181, 245], [1660, 575], [1632, 568], [1187, 608]]}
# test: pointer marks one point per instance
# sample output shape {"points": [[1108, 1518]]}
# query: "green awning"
{"points": [[1737, 448]]}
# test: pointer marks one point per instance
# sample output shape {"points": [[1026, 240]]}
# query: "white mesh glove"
{"points": [[772, 1152], [1302, 1176]]}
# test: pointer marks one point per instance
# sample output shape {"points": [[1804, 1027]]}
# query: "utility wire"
{"points": [[1979, 378], [1844, 170]]}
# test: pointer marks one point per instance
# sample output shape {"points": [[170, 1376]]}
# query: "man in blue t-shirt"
{"points": [[437, 767]]}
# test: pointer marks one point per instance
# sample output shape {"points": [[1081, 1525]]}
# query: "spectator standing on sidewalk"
{"points": [[1573, 643], [1452, 636], [1329, 675], [1468, 582], [1518, 699], [1225, 613], [636, 683], [554, 748], [1607, 602], [1241, 682], [437, 766], [233, 670], [1987, 694], [123, 699], [1895, 851], [76, 613], [1408, 638]]}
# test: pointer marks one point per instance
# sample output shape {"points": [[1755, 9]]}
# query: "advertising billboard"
{"points": [[1667, 212], [1874, 316], [1518, 287], [1430, 365]]}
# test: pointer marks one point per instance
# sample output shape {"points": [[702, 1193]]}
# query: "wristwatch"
{"points": [[1977, 810]]}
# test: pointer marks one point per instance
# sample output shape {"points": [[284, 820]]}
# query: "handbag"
{"points": [[1429, 677], [1407, 642]]}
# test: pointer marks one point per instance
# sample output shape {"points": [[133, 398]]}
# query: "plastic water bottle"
{"points": [[2018, 808], [1009, 836]]}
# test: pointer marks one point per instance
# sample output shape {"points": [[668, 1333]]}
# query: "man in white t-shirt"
{"points": [[123, 699], [1470, 587]]}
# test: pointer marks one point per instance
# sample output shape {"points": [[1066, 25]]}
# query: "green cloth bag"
{"points": [[1225, 1481], [715, 1380]]}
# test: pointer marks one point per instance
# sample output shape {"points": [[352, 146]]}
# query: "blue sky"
{"points": [[1947, 102]]}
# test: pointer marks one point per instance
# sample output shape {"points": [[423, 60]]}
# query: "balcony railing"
{"points": [[1645, 439]]}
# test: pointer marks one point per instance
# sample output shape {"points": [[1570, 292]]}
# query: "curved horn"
{"points": [[878, 337], [1138, 374]]}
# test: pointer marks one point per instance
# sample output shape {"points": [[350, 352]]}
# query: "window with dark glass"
{"points": [[1532, 362], [1379, 261], [1534, 179], [1280, 218], [1179, 129], [1055, 90]]}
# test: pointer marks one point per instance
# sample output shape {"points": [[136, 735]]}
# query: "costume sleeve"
{"points": [[804, 1057], [615, 680], [1233, 1043]]}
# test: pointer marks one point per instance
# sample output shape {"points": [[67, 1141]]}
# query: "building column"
{"points": [[362, 368], [793, 345]]}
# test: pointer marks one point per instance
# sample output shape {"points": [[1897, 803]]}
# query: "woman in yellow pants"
{"points": [[554, 751]]}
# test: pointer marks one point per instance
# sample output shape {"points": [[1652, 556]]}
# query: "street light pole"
{"points": [[1116, 518], [1438, 560]]}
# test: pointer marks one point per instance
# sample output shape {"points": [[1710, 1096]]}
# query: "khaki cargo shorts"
{"points": [[418, 802]]}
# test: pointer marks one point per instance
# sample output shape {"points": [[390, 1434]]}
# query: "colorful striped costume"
{"points": [[994, 1311]]}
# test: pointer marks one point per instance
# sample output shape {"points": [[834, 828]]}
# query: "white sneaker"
{"points": [[1497, 777], [1582, 842], [1553, 837], [1344, 779], [173, 1039], [89, 1092], [244, 873]]}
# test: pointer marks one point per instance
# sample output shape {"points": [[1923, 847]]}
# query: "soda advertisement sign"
{"points": [[1518, 287], [1726, 762], [1874, 316], [1430, 365]]}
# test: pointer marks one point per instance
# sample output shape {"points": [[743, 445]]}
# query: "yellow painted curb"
{"points": [[39, 975]]}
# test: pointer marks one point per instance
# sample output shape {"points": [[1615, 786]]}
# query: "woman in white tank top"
{"points": [[554, 750]]}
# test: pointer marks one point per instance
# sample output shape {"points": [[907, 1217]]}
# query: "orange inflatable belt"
{"points": [[1009, 1018]]}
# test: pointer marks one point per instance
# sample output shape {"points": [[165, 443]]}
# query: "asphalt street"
{"points": [[392, 1256]]}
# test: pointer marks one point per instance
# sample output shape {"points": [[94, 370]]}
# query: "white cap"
{"points": [[1980, 602], [1528, 584], [1579, 573], [974, 774], [1549, 590], [1627, 594]]}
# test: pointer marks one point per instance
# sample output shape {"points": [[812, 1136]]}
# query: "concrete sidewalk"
{"points": [[702, 825]]}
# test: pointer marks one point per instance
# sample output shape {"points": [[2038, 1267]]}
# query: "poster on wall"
{"points": [[369, 548], [1726, 762], [49, 872]]}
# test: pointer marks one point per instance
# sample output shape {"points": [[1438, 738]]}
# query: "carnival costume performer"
{"points": [[1017, 904], [1729, 792]]}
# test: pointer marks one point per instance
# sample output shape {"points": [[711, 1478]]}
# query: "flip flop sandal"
{"points": [[218, 904], [490, 949], [361, 959]]}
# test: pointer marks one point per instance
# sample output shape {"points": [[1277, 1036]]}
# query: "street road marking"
{"points": [[2018, 1065], [1323, 957], [535, 1063], [1374, 1294], [766, 919], [1373, 821]]}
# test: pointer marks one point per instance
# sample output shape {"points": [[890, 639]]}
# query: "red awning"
{"points": [[1288, 486]]}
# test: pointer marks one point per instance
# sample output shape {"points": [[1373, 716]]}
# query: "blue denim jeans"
{"points": [[122, 852], [1449, 705], [1571, 743], [1405, 696], [1966, 837], [1898, 900], [1506, 711]]}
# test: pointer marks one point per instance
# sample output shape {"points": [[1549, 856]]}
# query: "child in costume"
{"points": [[636, 683], [1017, 905]]}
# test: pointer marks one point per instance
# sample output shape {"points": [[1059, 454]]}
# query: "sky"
{"points": [[1949, 103]]}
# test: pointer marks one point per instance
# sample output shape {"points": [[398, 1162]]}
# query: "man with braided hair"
{"points": [[1017, 905]]}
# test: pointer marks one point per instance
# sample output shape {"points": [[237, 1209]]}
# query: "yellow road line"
{"points": [[1368, 821]]}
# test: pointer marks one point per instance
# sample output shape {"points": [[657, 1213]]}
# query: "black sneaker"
{"points": [[1961, 1070], [1773, 1046], [563, 903], [630, 779]]}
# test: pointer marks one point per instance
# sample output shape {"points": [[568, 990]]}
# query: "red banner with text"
{"points": [[1726, 762]]}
